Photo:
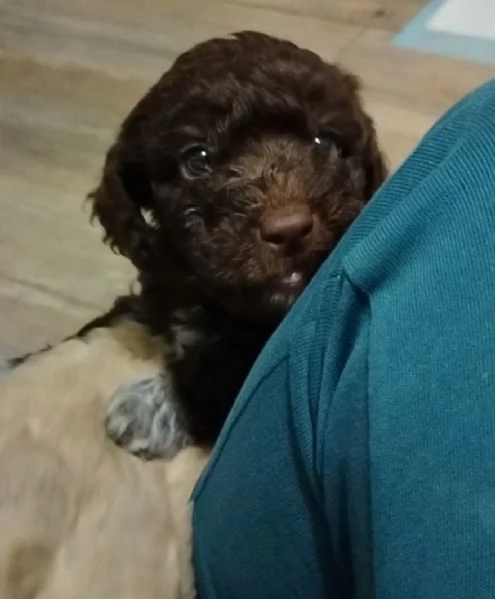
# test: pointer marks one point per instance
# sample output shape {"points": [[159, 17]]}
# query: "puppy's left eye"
{"points": [[329, 142], [195, 161]]}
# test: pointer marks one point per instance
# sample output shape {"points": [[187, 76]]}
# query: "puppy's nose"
{"points": [[286, 229]]}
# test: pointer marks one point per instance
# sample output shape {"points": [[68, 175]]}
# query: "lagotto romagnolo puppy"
{"points": [[227, 186], [80, 518]]}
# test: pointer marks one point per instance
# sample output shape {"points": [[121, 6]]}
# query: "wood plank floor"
{"points": [[71, 69]]}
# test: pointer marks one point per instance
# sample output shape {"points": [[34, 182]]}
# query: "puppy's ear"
{"points": [[118, 203], [375, 164]]}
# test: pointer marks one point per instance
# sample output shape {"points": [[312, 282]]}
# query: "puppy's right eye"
{"points": [[195, 161]]}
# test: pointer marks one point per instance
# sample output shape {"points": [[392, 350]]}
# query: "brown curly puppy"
{"points": [[228, 185]]}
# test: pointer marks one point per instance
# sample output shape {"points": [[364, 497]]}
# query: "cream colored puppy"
{"points": [[80, 518]]}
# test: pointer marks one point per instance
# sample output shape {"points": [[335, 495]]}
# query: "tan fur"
{"points": [[79, 518]]}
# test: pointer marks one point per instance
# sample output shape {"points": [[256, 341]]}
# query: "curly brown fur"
{"points": [[228, 185]]}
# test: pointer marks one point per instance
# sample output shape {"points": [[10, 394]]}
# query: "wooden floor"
{"points": [[71, 69]]}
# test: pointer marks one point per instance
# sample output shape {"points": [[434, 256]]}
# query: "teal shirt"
{"points": [[359, 459]]}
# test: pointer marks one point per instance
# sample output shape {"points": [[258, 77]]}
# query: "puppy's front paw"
{"points": [[143, 419]]}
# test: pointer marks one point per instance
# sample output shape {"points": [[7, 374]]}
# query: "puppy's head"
{"points": [[239, 171]]}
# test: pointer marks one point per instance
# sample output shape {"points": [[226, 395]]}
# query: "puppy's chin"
{"points": [[267, 305], [279, 303]]}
